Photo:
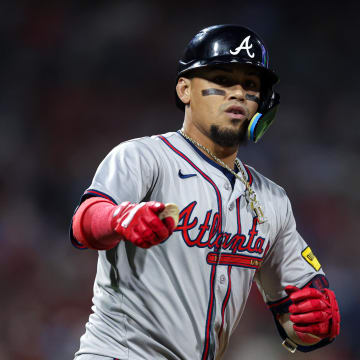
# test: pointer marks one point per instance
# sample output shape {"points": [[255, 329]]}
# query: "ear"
{"points": [[183, 90]]}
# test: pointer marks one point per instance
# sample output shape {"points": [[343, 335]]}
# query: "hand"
{"points": [[314, 313], [140, 223]]}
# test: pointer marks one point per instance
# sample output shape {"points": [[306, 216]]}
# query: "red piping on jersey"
{"points": [[238, 215], [228, 291], [209, 313], [213, 267], [250, 177], [225, 302], [99, 193], [246, 261]]}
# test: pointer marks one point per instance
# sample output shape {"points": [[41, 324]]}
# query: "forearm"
{"points": [[99, 224], [92, 224]]}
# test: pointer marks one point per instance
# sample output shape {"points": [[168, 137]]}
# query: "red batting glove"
{"points": [[314, 312], [140, 224]]}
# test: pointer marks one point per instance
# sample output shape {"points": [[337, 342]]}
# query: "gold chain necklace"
{"points": [[250, 194]]}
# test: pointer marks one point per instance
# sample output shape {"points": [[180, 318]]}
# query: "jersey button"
{"points": [[222, 279], [231, 207], [227, 186]]}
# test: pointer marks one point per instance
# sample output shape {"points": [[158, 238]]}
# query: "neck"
{"points": [[225, 154]]}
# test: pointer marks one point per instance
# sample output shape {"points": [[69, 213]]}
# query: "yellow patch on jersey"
{"points": [[311, 258]]}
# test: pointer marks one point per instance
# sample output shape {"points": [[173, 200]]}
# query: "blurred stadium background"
{"points": [[78, 77]]}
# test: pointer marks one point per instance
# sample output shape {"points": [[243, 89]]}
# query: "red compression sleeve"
{"points": [[92, 224]]}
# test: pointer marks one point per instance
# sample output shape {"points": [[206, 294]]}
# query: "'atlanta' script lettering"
{"points": [[209, 234]]}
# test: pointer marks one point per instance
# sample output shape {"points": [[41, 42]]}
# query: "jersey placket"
{"points": [[219, 274], [224, 271]]}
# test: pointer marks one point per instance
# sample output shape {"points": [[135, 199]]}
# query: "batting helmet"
{"points": [[228, 44]]}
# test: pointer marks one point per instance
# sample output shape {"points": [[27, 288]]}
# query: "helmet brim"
{"points": [[268, 76]]}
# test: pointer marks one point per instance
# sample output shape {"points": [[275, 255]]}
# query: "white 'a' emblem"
{"points": [[244, 46]]}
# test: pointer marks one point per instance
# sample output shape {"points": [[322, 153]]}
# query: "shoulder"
{"points": [[271, 196], [143, 147], [263, 184], [166, 139], [133, 144], [150, 143], [274, 200], [147, 152]]}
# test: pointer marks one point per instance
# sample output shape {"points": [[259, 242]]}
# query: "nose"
{"points": [[237, 93]]}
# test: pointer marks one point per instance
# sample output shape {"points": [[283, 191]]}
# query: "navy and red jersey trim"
{"points": [[225, 301], [231, 177], [211, 302], [94, 192], [228, 291], [250, 177], [238, 215]]}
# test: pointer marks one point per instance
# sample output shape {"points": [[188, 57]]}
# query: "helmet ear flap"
{"points": [[265, 116]]}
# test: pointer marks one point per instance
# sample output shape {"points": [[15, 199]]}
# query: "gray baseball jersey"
{"points": [[183, 298]]}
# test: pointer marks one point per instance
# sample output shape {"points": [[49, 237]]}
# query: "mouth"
{"points": [[236, 112]]}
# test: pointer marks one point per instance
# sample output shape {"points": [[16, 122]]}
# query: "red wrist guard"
{"points": [[92, 224]]}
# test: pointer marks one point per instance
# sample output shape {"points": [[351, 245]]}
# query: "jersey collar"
{"points": [[225, 171]]}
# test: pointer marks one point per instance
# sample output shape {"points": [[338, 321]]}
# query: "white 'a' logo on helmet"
{"points": [[244, 46]]}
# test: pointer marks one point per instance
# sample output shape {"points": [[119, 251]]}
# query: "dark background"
{"points": [[78, 77]]}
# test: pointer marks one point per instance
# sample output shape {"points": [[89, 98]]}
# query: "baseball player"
{"points": [[183, 227]]}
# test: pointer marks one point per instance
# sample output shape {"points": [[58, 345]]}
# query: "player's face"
{"points": [[223, 99]]}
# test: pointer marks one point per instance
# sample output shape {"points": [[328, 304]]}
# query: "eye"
{"points": [[222, 80], [253, 85]]}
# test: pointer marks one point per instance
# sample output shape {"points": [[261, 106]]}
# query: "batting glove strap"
{"points": [[301, 348], [335, 314]]}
